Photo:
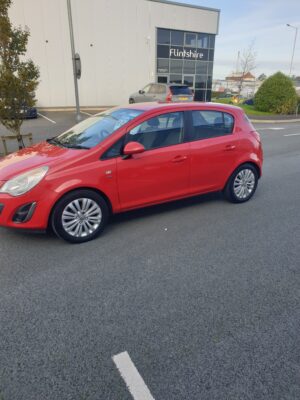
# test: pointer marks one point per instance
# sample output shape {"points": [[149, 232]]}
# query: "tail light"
{"points": [[169, 96]]}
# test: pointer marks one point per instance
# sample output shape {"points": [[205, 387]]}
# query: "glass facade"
{"points": [[186, 57]]}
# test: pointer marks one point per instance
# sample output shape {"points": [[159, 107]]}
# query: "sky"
{"points": [[261, 22]]}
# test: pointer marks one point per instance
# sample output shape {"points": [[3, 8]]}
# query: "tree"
{"points": [[277, 95], [247, 63], [18, 77], [262, 77]]}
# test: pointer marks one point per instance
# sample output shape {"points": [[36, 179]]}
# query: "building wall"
{"points": [[116, 40]]}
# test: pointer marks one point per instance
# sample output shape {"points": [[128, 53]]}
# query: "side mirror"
{"points": [[132, 148], [141, 91]]}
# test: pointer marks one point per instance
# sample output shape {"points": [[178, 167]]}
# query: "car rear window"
{"points": [[176, 90]]}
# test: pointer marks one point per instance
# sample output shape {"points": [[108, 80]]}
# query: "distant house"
{"points": [[238, 76], [232, 82]]}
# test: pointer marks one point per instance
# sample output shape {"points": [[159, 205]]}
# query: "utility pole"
{"points": [[74, 62], [294, 46]]}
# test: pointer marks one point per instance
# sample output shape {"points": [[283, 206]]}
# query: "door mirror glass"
{"points": [[133, 148]]}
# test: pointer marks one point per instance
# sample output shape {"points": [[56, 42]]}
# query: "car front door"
{"points": [[146, 94], [162, 171], [214, 149]]}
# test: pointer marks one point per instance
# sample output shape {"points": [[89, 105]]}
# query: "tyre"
{"points": [[131, 101], [242, 184], [80, 216]]}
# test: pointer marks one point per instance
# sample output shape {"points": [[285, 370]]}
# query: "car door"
{"points": [[162, 171], [144, 95], [214, 149]]}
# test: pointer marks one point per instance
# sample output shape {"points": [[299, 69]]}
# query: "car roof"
{"points": [[156, 106]]}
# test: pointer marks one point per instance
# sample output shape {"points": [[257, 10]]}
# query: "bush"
{"points": [[277, 95]]}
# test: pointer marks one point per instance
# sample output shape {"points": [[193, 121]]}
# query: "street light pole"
{"points": [[78, 117], [294, 46]]}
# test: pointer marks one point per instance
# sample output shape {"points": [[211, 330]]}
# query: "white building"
{"points": [[123, 45]]}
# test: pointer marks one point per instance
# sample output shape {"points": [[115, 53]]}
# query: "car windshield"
{"points": [[92, 131]]}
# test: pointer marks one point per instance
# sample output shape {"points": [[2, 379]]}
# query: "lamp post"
{"points": [[75, 61], [295, 39]]}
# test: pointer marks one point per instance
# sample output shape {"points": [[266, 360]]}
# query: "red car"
{"points": [[127, 158]]}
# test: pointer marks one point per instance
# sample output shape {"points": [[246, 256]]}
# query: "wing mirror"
{"points": [[141, 91], [132, 148]]}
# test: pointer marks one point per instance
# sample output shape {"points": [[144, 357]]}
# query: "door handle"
{"points": [[178, 159], [230, 147]]}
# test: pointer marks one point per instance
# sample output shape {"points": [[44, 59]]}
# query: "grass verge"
{"points": [[249, 110]]}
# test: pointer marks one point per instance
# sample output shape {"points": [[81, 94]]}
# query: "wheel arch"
{"points": [[251, 162], [105, 197]]}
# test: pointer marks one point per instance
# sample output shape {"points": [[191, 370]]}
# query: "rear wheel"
{"points": [[80, 216], [242, 184]]}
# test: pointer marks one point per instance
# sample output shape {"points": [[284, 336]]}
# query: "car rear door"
{"points": [[160, 173], [214, 149]]}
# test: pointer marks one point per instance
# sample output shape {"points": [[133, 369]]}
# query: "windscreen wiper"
{"points": [[75, 146]]}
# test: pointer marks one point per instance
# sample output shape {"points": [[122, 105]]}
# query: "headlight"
{"points": [[22, 183]]}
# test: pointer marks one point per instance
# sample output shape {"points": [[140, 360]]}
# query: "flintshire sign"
{"points": [[182, 53]]}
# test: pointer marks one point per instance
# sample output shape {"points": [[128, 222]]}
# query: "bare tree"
{"points": [[247, 63]]}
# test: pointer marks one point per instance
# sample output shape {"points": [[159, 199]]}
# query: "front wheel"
{"points": [[242, 184], [80, 216], [131, 101]]}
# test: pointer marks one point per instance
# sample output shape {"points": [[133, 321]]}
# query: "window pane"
{"points": [[200, 81], [164, 130], [191, 39], [188, 80], [200, 95], [211, 55], [210, 68], [162, 65], [175, 78], [163, 36], [176, 66], [212, 41], [177, 38], [210, 124], [202, 41], [162, 79], [201, 67], [189, 67]]}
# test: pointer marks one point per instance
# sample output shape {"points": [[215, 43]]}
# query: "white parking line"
{"points": [[84, 112], [48, 119], [277, 128], [132, 378], [292, 134]]}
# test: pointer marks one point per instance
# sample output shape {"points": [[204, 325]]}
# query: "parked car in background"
{"points": [[249, 102], [29, 112], [163, 93], [127, 158]]}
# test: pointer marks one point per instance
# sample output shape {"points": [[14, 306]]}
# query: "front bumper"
{"points": [[27, 211]]}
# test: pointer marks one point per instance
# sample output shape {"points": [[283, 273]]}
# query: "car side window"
{"points": [[115, 150], [147, 89], [161, 89], [210, 124], [153, 89], [161, 131]]}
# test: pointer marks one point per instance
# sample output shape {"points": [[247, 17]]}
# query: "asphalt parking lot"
{"points": [[197, 299]]}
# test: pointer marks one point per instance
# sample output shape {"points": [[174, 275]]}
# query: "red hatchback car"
{"points": [[126, 158]]}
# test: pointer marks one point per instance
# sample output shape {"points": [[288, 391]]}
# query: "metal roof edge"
{"points": [[175, 3]]}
